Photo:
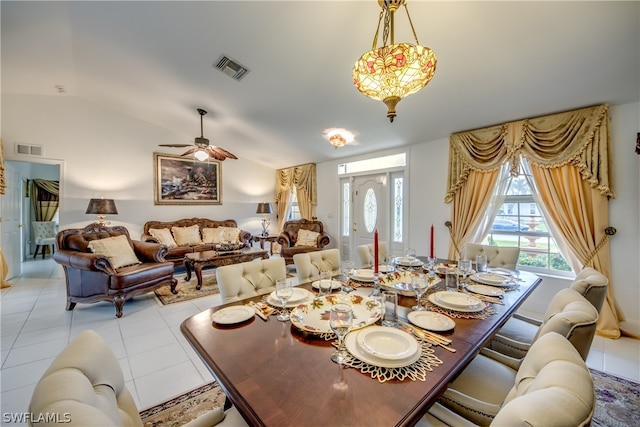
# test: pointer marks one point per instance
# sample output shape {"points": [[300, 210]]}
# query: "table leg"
{"points": [[198, 270], [187, 269]]}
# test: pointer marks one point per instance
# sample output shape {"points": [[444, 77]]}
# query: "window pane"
{"points": [[346, 203], [398, 204], [370, 213]]}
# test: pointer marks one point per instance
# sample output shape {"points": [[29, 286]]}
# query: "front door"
{"points": [[11, 221], [370, 210]]}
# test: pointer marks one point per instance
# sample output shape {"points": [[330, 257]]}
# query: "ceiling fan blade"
{"points": [[222, 151], [190, 151], [214, 154], [175, 145]]}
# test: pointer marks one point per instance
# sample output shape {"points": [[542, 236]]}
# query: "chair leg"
{"points": [[35, 253]]}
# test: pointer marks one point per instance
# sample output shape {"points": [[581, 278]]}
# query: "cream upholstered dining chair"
{"points": [[365, 252], [44, 235], [248, 279], [497, 256], [552, 388], [85, 387], [568, 313], [308, 265], [592, 285]]}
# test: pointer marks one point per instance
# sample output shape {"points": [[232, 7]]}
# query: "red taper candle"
{"points": [[375, 251], [431, 244]]}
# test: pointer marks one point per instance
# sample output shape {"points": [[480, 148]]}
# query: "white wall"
{"points": [[107, 154], [427, 167]]}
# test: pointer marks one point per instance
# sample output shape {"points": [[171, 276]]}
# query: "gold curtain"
{"points": [[575, 141], [303, 178], [45, 198]]}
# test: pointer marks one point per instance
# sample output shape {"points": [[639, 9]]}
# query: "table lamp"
{"points": [[265, 209], [102, 207]]}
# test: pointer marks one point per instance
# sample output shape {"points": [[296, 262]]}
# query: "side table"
{"points": [[271, 238]]}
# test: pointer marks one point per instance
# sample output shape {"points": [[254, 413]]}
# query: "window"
{"points": [[398, 205], [519, 222], [294, 212], [346, 205]]}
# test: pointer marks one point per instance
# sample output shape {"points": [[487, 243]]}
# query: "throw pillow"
{"points": [[187, 236], [307, 238], [163, 236], [231, 234], [212, 236], [117, 249]]}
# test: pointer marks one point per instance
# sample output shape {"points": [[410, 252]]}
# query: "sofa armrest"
{"points": [[245, 237], [150, 251], [148, 238], [323, 240], [284, 240], [84, 261]]}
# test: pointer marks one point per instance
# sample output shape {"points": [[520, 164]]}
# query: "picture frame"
{"points": [[186, 181]]}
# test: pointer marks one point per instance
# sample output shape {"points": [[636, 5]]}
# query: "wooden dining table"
{"points": [[277, 375]]}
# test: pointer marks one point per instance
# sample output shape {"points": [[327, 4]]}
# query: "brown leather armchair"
{"points": [[91, 277], [289, 237]]}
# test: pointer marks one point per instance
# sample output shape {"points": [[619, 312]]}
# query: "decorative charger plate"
{"points": [[233, 314], [363, 275], [457, 299], [441, 268], [490, 279], [314, 315], [351, 343], [431, 321], [299, 295], [490, 291], [334, 284], [387, 343], [409, 261], [439, 303], [400, 281]]}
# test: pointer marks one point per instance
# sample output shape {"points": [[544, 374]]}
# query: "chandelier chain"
{"points": [[411, 24], [375, 38]]}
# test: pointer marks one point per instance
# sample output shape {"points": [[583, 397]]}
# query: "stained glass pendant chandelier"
{"points": [[393, 71]]}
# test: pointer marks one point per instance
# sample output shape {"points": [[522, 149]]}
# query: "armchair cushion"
{"points": [[290, 235], [117, 249], [187, 236], [307, 238], [163, 236]]}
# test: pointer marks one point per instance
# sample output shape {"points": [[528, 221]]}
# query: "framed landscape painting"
{"points": [[184, 181]]}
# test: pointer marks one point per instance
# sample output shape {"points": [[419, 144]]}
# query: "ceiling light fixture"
{"points": [[393, 71], [338, 137]]}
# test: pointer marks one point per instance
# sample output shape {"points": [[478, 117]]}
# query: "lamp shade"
{"points": [[102, 207], [264, 208]]}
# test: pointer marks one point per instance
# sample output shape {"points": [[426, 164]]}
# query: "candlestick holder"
{"points": [[376, 285]]}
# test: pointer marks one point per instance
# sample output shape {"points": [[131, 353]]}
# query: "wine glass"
{"points": [[340, 321], [284, 291], [324, 285], [464, 267], [346, 267], [420, 284]]}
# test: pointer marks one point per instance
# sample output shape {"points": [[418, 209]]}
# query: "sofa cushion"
{"points": [[117, 249], [230, 234], [212, 236], [164, 236], [307, 238], [187, 236]]}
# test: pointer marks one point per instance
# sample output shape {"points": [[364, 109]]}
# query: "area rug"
{"points": [[617, 401], [184, 408], [187, 290]]}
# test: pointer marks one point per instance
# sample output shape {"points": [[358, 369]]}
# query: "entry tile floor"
{"points": [[157, 361]]}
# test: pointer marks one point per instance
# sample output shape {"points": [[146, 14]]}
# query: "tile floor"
{"points": [[157, 361]]}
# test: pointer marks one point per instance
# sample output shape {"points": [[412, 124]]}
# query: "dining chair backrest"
{"points": [[497, 256], [308, 265], [553, 387], [248, 279], [591, 284], [366, 254]]}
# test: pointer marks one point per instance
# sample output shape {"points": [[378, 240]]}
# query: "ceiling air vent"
{"points": [[30, 150], [231, 68]]}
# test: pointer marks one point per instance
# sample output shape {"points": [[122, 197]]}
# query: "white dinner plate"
{"points": [[232, 315], [387, 343], [457, 299], [409, 261], [363, 275], [490, 291], [334, 284], [434, 300], [431, 321], [489, 279], [313, 316], [299, 294], [352, 346]]}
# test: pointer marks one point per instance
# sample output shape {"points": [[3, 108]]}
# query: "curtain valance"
{"points": [[302, 177], [579, 137]]}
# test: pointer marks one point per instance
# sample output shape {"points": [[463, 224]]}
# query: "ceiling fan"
{"points": [[201, 149]]}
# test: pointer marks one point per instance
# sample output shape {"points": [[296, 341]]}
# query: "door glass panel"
{"points": [[370, 207], [398, 204]]}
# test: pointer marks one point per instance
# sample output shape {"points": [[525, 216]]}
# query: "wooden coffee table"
{"points": [[198, 260]]}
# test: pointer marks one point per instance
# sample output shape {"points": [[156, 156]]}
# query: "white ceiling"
{"points": [[497, 62]]}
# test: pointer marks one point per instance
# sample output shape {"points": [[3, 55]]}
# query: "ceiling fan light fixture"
{"points": [[201, 155], [393, 71]]}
